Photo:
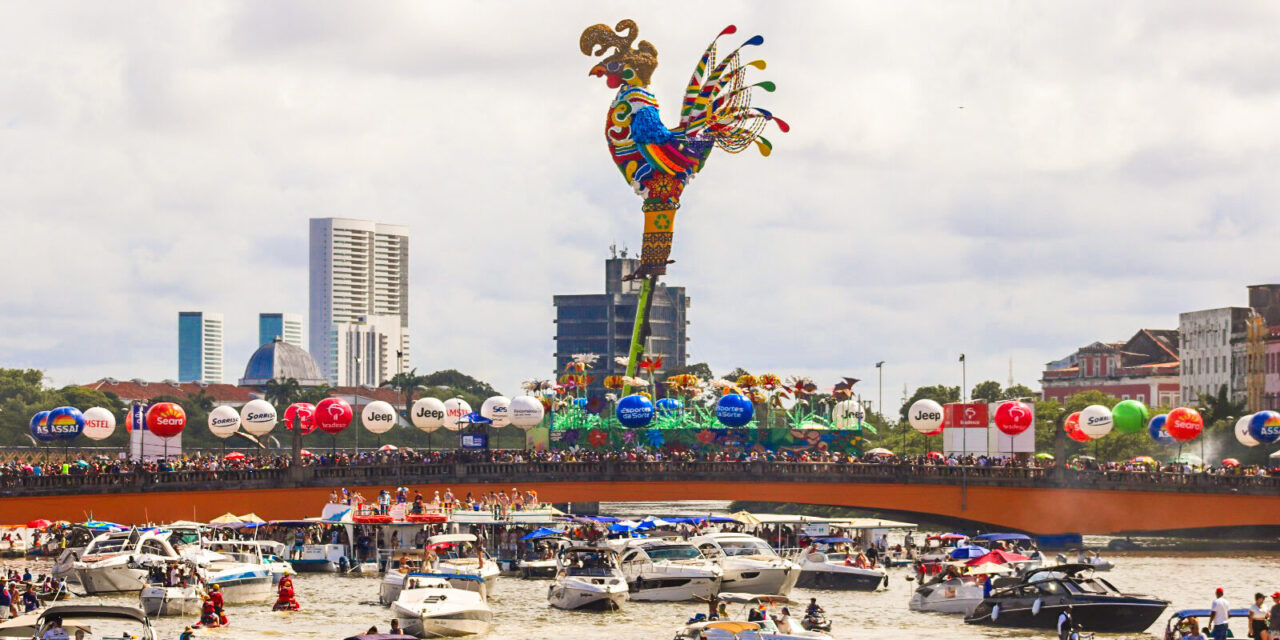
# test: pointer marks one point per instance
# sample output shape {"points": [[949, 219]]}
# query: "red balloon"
{"points": [[1072, 428], [166, 419], [1013, 418], [333, 415], [305, 412], [1184, 424]]}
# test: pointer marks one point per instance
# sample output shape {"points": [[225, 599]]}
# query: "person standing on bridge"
{"points": [[1219, 614]]}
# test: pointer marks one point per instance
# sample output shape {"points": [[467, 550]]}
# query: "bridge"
{"points": [[1039, 501]]}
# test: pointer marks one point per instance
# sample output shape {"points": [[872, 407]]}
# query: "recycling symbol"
{"points": [[662, 221]]}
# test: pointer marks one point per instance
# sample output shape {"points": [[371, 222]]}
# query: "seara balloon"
{"points": [[1095, 421], [99, 423], [526, 412], [378, 417], [1130, 416], [498, 410], [847, 414], [65, 423], [734, 410], [1184, 424], [427, 414], [1013, 417], [1071, 426], [166, 419], [455, 409], [635, 411], [224, 421], [40, 427], [304, 413], [333, 415], [258, 417], [1156, 429], [1264, 426], [925, 416]]}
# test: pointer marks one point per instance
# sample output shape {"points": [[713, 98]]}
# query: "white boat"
{"points": [[319, 558], [588, 578], [664, 571], [15, 541], [822, 570], [461, 553], [158, 600], [952, 595], [539, 559], [115, 562], [738, 628], [750, 565], [430, 606], [407, 562], [267, 553], [96, 617]]}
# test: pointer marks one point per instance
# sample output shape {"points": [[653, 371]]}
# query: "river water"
{"points": [[335, 607]]}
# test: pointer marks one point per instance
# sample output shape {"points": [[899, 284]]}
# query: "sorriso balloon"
{"points": [[224, 421], [1129, 416], [166, 419], [1071, 426], [1013, 417], [1095, 421], [1265, 426], [1156, 429], [734, 410], [428, 414], [635, 411], [333, 415], [925, 416], [526, 412], [1242, 432], [99, 423], [40, 427], [65, 423], [1185, 423], [258, 417], [378, 417]]}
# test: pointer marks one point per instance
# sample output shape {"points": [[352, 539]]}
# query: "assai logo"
{"points": [[64, 425]]}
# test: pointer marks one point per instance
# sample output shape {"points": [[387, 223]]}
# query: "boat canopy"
{"points": [[743, 598], [544, 532], [447, 576], [66, 611], [451, 537], [1205, 613], [999, 537], [836, 540]]}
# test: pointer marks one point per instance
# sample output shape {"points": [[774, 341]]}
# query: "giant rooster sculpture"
{"points": [[659, 162]]}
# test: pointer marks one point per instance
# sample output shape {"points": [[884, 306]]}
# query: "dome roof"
{"points": [[279, 359]]}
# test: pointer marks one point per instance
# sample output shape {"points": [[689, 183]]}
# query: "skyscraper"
{"points": [[286, 326], [359, 308], [199, 347]]}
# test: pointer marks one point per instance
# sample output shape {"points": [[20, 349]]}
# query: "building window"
{"points": [[1124, 397], [1142, 397]]}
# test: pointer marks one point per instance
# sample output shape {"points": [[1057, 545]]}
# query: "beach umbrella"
{"points": [[543, 532], [745, 517], [81, 463], [38, 524], [389, 447], [966, 553], [252, 518], [306, 454], [987, 568], [233, 456], [934, 455], [880, 451], [1230, 462], [1044, 456], [1143, 460], [226, 518], [998, 556]]}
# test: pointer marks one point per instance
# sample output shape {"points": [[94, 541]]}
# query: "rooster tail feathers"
{"points": [[766, 147], [707, 61], [717, 105]]}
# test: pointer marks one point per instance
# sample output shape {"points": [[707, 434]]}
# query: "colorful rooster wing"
{"points": [[659, 162]]}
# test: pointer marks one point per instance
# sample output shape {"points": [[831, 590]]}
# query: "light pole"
{"points": [[880, 389], [964, 382], [356, 408]]}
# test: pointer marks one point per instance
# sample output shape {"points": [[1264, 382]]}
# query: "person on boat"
{"points": [[372, 630], [29, 600], [1273, 617], [1066, 624], [285, 600], [783, 620], [208, 614], [1258, 617], [187, 634], [215, 597], [7, 610], [757, 614], [395, 627], [1220, 613], [55, 631], [814, 608]]}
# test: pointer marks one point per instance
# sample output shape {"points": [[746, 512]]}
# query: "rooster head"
{"points": [[625, 66]]}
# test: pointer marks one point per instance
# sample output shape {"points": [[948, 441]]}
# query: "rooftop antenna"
{"points": [[1010, 371], [613, 250]]}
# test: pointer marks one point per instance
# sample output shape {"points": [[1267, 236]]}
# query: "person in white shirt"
{"points": [[1065, 624], [1220, 613], [1258, 617], [55, 631]]}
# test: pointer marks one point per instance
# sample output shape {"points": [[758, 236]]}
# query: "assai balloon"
{"points": [[378, 417], [847, 414], [498, 410], [1156, 429], [99, 423], [670, 406], [65, 423], [1129, 416], [304, 413], [428, 414], [925, 416], [734, 410], [224, 421], [166, 419], [1242, 432], [40, 427], [1013, 417], [455, 409], [526, 412], [1185, 423], [333, 415], [1095, 421], [635, 411], [1265, 426], [1071, 426], [258, 417]]}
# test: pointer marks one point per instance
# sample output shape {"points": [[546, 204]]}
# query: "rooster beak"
{"points": [[597, 70]]}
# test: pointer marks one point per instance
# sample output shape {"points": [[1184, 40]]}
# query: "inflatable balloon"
{"points": [[427, 414], [333, 415], [166, 419], [65, 423], [99, 423], [670, 407], [526, 412], [1129, 416], [1242, 432], [40, 427], [304, 412], [1156, 429], [734, 410], [1265, 426], [925, 416], [455, 409], [1013, 417], [224, 421], [498, 410], [635, 411], [258, 417], [847, 414], [1095, 421], [1184, 424], [1071, 426], [378, 417]]}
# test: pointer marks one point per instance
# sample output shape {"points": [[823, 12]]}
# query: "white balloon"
{"points": [[378, 417], [925, 416], [99, 423], [497, 409], [258, 417], [1095, 421], [785, 399], [224, 421], [455, 409], [526, 412], [1242, 431], [428, 414], [847, 414]]}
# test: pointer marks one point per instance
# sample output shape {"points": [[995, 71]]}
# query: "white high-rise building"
{"points": [[200, 347], [359, 309]]}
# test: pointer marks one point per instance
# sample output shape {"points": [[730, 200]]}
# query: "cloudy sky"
{"points": [[1006, 179]]}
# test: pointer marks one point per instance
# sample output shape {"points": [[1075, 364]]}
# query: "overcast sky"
{"points": [[1011, 180]]}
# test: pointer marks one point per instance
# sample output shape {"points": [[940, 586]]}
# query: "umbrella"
{"points": [[879, 451], [306, 454], [651, 522], [997, 557], [389, 447], [1143, 460], [474, 418], [745, 517], [81, 463], [234, 455], [1275, 455], [934, 455], [38, 524], [1230, 462], [543, 532], [252, 518], [965, 553], [1044, 456], [227, 518], [987, 568]]}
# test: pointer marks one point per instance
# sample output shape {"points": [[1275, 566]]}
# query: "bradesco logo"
{"points": [[424, 412]]}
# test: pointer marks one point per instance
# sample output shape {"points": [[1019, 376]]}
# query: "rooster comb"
{"points": [[598, 39]]}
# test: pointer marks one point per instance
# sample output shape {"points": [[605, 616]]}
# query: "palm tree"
{"points": [[282, 392], [1219, 407], [408, 383]]}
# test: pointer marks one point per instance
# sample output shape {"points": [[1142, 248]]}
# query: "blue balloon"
{"points": [[635, 411], [1265, 426], [40, 427], [1156, 429], [669, 406], [65, 423], [581, 403], [734, 410]]}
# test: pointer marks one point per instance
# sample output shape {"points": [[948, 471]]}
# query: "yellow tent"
{"points": [[226, 518], [251, 517], [745, 517]]}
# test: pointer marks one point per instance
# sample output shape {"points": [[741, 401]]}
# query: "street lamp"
{"points": [[964, 381]]}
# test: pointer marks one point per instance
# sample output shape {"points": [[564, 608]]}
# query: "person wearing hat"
{"points": [[1258, 617], [1273, 617], [1219, 614], [187, 634]]}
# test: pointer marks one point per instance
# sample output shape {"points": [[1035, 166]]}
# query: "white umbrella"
{"points": [[1275, 456]]}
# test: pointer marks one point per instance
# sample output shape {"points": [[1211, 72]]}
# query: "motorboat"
{"points": [[267, 553], [951, 594], [588, 578], [430, 606], [739, 628], [115, 562], [750, 565], [461, 553], [1035, 601], [827, 569], [73, 617], [15, 541], [157, 600], [410, 561], [666, 571], [319, 558], [1173, 630], [539, 557]]}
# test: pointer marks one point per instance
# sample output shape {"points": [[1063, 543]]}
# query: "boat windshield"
{"points": [[587, 563], [674, 552], [746, 548], [110, 545]]}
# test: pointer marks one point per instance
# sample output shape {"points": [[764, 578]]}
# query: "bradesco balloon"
{"points": [[166, 419], [498, 410], [925, 416], [1095, 421], [40, 427], [427, 414], [847, 414], [1129, 416], [333, 415], [1156, 429], [258, 417], [1013, 417], [1071, 426], [635, 411], [99, 423], [378, 417], [734, 410], [65, 423], [1184, 424], [224, 421], [304, 413], [526, 412], [1242, 432], [1265, 426], [455, 409]]}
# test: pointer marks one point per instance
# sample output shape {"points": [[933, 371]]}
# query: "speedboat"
{"points": [[158, 600], [461, 553], [73, 617], [319, 558], [588, 578], [267, 553], [953, 594], [1173, 630], [658, 570], [410, 561], [115, 562], [739, 628], [430, 606], [539, 558], [750, 565], [1035, 601], [835, 570]]}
